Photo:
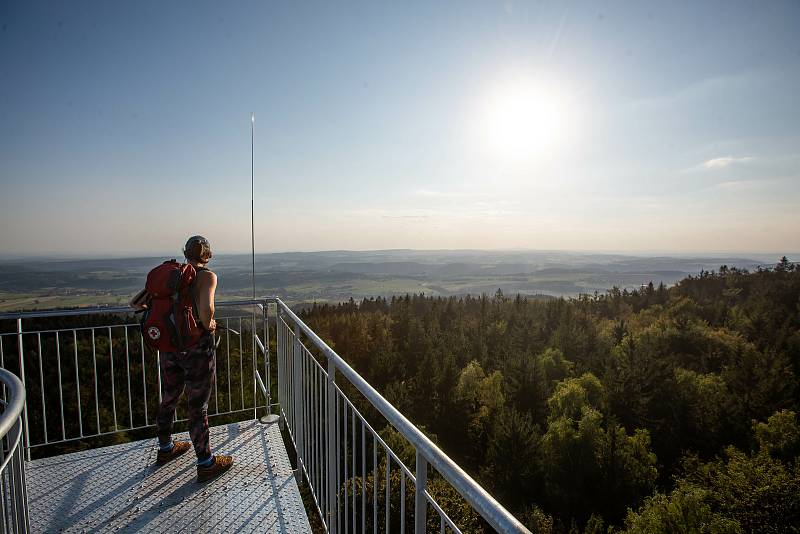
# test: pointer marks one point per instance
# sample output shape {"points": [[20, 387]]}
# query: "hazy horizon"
{"points": [[686, 254], [336, 276], [453, 125]]}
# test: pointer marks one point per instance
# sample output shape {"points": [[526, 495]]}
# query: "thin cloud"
{"points": [[773, 184], [433, 193], [725, 161], [428, 193], [739, 185], [406, 217]]}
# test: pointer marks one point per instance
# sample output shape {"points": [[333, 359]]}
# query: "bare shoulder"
{"points": [[206, 278]]}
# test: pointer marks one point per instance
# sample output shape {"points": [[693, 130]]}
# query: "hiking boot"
{"points": [[220, 464], [178, 448]]}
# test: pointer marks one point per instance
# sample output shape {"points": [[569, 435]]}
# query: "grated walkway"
{"points": [[119, 488]]}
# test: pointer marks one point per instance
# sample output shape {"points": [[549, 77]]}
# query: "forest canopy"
{"points": [[664, 409]]}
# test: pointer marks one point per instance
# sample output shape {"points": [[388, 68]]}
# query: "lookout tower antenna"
{"points": [[252, 198]]}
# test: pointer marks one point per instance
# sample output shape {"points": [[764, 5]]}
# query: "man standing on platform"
{"points": [[192, 369]]}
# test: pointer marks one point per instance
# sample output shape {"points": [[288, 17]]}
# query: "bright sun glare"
{"points": [[526, 120]]}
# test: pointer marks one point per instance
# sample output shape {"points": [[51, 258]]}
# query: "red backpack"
{"points": [[169, 323]]}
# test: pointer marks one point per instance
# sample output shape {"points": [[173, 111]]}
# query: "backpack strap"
{"points": [[193, 295], [195, 313], [176, 307], [176, 316]]}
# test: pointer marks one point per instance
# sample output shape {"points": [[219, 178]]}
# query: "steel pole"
{"points": [[253, 252], [331, 434], [252, 198], [27, 441], [298, 403], [420, 505]]}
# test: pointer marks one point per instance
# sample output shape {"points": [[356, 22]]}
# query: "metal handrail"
{"points": [[15, 401], [45, 345], [13, 492], [491, 510], [96, 310]]}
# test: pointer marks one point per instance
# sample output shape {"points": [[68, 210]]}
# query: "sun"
{"points": [[526, 119]]}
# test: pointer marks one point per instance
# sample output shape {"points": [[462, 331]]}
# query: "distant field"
{"points": [[337, 276], [32, 301]]}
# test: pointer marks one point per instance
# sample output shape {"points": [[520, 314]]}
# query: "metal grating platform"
{"points": [[119, 488]]}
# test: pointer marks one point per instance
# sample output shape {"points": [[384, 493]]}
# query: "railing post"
{"points": [[3, 527], [254, 361], [298, 402], [269, 418], [267, 379], [17, 465], [280, 342], [420, 504], [27, 438], [331, 488]]}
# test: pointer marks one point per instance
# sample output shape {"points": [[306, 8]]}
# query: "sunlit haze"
{"points": [[629, 126], [526, 120]]}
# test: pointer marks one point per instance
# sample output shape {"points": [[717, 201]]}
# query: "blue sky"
{"points": [[659, 126]]}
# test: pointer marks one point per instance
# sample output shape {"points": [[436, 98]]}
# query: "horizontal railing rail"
{"points": [[13, 492], [99, 310]]}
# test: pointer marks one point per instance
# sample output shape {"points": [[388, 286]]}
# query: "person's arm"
{"points": [[139, 301], [206, 287]]}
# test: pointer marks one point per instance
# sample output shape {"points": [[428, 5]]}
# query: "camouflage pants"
{"points": [[195, 371]]}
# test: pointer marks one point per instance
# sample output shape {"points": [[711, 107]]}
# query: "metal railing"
{"points": [[95, 381], [13, 492], [338, 450]]}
